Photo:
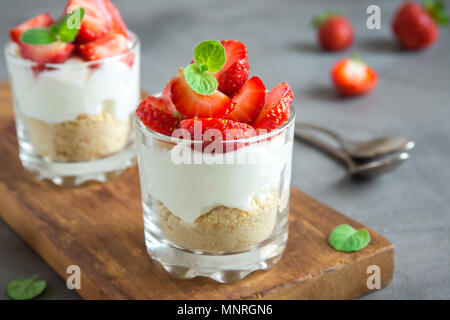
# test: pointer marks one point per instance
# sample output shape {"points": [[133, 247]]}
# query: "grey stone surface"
{"points": [[411, 206]]}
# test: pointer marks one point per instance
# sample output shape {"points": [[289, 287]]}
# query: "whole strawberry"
{"points": [[334, 32], [416, 26]]}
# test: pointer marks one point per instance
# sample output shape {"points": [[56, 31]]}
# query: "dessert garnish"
{"points": [[91, 29], [346, 238], [214, 90], [353, 77]]}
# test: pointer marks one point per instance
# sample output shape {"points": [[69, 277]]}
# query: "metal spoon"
{"points": [[365, 149], [367, 169]]}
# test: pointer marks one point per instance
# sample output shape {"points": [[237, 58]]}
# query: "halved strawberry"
{"points": [[118, 25], [192, 104], [56, 52], [235, 71], [353, 77], [276, 109], [249, 101], [108, 46], [152, 112], [223, 131], [43, 20], [96, 23], [166, 96]]}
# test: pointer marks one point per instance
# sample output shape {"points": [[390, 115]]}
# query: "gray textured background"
{"points": [[411, 206]]}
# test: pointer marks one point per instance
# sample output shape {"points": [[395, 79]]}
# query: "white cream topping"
{"points": [[191, 190], [62, 94]]}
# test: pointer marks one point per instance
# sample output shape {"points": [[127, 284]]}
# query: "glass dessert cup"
{"points": [[220, 215], [73, 120]]}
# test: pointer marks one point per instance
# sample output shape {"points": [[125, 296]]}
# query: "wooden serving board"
{"points": [[99, 227]]}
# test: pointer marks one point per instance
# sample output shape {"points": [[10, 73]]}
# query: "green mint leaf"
{"points": [[210, 56], [346, 238], [67, 28], [38, 36], [200, 82], [25, 289]]}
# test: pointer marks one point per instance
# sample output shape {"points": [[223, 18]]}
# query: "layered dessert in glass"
{"points": [[214, 156], [74, 93]]}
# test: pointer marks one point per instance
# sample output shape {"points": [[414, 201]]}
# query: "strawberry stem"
{"points": [[436, 9], [319, 19]]}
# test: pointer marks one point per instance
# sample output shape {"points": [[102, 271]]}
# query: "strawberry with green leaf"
{"points": [[334, 31], [416, 27]]}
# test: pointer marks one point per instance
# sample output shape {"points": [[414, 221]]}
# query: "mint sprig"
{"points": [[25, 289], [209, 57], [346, 238], [65, 30]]}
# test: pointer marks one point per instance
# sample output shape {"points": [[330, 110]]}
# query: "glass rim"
{"points": [[26, 62], [151, 133]]}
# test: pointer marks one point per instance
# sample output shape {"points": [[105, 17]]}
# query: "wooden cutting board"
{"points": [[99, 227]]}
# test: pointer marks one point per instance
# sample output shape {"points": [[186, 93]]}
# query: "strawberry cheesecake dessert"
{"points": [[214, 155], [75, 84]]}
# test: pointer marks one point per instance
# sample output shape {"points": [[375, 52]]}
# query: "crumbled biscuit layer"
{"points": [[85, 138], [222, 229]]}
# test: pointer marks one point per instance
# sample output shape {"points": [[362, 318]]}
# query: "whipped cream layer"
{"points": [[191, 190], [62, 94]]}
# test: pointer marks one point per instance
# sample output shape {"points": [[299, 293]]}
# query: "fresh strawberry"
{"points": [[166, 96], [235, 71], [56, 52], [228, 131], [152, 112], [108, 46], [416, 27], [192, 104], [96, 23], [249, 101], [118, 25], [128, 59], [353, 77], [41, 21], [334, 32], [276, 109]]}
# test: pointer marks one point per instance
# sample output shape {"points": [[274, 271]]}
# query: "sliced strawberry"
{"points": [[192, 104], [56, 52], [96, 23], [108, 46], [128, 59], [209, 130], [353, 77], [235, 71], [152, 112], [166, 96], [249, 101], [41, 21], [118, 25], [276, 109]]}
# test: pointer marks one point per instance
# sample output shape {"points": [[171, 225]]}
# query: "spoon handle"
{"points": [[302, 134], [318, 128]]}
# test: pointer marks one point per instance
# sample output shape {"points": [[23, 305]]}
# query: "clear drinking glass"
{"points": [[73, 120], [221, 215]]}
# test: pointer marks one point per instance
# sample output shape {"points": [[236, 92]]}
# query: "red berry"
{"points": [[414, 27], [96, 23], [334, 32], [276, 109], [118, 25], [56, 52], [353, 77], [249, 101], [153, 113], [192, 104], [41, 21], [235, 71], [107, 46]]}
